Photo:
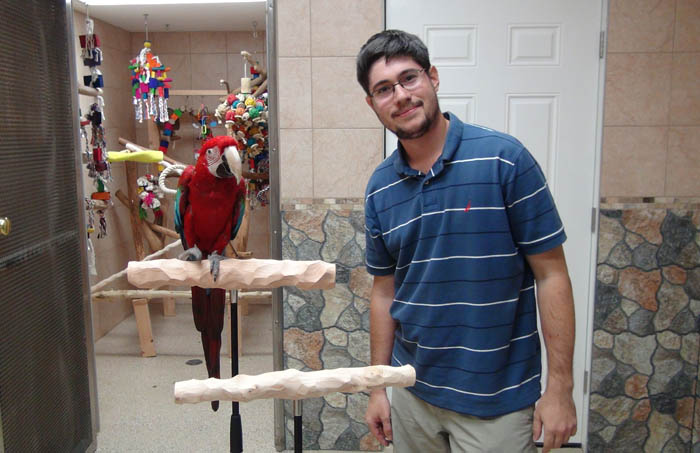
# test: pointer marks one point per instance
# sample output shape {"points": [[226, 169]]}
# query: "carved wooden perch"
{"points": [[294, 384], [112, 278], [233, 274]]}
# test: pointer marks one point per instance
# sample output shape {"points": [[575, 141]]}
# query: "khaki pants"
{"points": [[420, 427]]}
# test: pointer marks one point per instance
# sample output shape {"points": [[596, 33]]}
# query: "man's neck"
{"points": [[422, 152]]}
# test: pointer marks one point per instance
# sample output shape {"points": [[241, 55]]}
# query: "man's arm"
{"points": [[555, 410], [381, 324], [381, 339]]}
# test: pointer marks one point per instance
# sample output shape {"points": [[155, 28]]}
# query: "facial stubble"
{"points": [[428, 121]]}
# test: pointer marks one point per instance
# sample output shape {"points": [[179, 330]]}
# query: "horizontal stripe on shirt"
{"points": [[465, 348], [472, 393], [505, 389], [474, 304]]}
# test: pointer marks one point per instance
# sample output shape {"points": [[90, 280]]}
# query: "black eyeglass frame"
{"points": [[393, 85]]}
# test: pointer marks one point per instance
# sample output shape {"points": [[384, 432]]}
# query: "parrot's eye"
{"points": [[210, 151]]}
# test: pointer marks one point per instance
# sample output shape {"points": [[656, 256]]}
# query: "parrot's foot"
{"points": [[214, 260], [191, 254], [215, 406]]}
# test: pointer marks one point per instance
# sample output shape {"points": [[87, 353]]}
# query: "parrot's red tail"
{"points": [[208, 307]]}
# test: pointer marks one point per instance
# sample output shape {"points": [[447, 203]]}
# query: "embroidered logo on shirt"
{"points": [[469, 206]]}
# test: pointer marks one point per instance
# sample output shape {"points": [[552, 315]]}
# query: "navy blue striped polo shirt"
{"points": [[455, 240]]}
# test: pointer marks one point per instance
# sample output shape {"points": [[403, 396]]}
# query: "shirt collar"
{"points": [[452, 141]]}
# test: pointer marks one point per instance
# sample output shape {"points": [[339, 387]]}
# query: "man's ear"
{"points": [[368, 100], [434, 78]]}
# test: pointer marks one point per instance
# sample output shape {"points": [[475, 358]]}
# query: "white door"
{"points": [[531, 69]]}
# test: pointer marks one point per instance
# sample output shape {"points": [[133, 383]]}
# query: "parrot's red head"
{"points": [[219, 155]]}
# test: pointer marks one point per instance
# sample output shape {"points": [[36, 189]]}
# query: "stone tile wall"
{"points": [[644, 390], [330, 328]]}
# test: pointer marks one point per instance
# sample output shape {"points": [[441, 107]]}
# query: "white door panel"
{"points": [[533, 119], [462, 105], [451, 45], [531, 69]]}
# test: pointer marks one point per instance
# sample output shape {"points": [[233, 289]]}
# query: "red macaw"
{"points": [[209, 208]]}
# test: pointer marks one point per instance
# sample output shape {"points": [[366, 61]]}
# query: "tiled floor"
{"points": [[137, 409], [136, 404]]}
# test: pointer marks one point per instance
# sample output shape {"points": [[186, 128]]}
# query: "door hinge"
{"points": [[594, 219], [585, 382], [601, 45]]}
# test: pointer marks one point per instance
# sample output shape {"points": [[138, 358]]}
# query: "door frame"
{"points": [[595, 221], [275, 220], [87, 297]]}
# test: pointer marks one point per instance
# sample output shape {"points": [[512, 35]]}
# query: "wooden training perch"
{"points": [[112, 278], [233, 274], [294, 384]]}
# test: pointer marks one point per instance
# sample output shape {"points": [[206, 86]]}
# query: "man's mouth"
{"points": [[406, 112]]}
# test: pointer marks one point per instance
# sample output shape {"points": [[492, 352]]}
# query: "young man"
{"points": [[459, 226]]}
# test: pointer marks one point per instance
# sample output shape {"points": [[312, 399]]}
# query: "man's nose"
{"points": [[401, 93]]}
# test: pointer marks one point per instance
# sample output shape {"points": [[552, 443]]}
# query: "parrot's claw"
{"points": [[191, 254], [214, 260]]}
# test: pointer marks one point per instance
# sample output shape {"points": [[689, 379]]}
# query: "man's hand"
{"points": [[378, 416], [556, 412]]}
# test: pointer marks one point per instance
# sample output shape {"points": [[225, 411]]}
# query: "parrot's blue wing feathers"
{"points": [[178, 217], [182, 203], [179, 221], [241, 212]]}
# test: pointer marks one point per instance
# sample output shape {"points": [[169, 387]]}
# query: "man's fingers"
{"points": [[552, 438], [557, 440], [563, 435], [388, 432], [548, 443], [536, 427], [378, 432]]}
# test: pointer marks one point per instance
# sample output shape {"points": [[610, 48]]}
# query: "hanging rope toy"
{"points": [[168, 128], [91, 55], [90, 45], [95, 158], [97, 165], [150, 195], [150, 86]]}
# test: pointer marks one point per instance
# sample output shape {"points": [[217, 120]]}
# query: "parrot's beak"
{"points": [[230, 164]]}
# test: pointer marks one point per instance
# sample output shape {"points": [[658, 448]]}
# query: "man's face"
{"points": [[407, 113]]}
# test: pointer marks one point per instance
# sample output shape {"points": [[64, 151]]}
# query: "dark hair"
{"points": [[389, 44]]}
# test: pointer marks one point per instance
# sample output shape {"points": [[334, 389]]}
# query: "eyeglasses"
{"points": [[408, 80]]}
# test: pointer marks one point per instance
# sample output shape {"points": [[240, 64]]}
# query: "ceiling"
{"points": [[196, 16]]}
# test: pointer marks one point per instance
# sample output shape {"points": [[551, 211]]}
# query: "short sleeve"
{"points": [[377, 259], [534, 220]]}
